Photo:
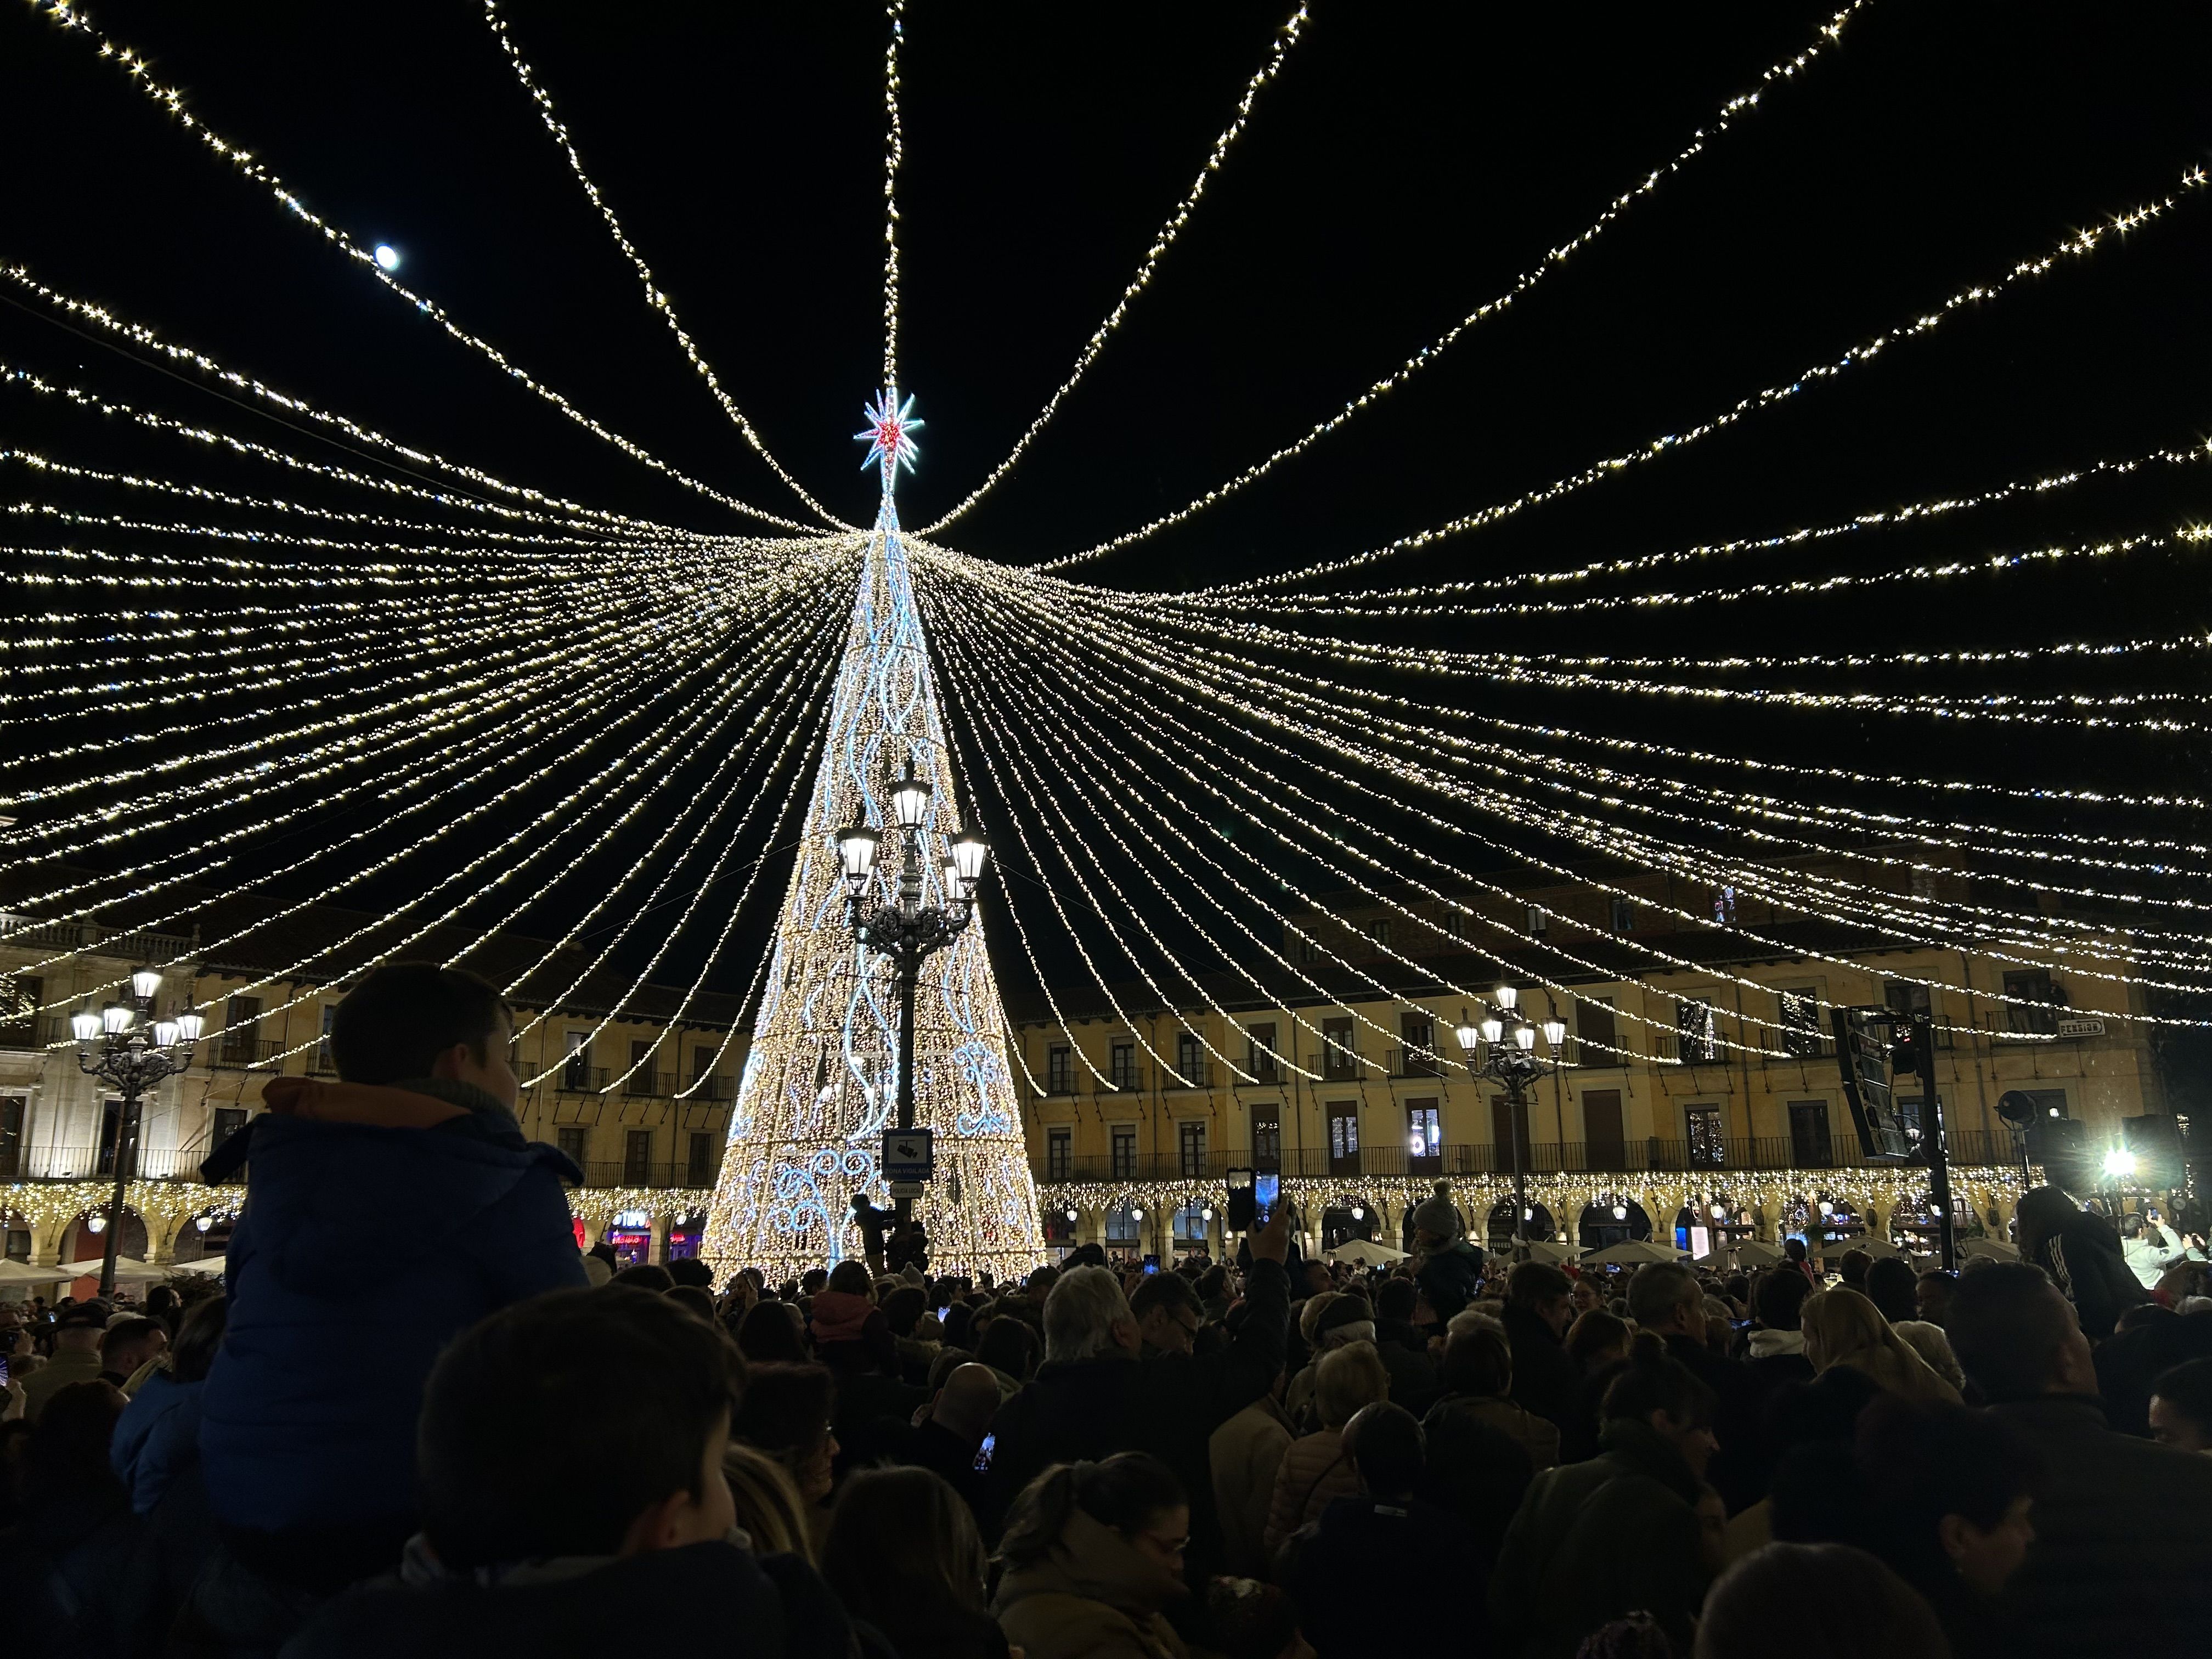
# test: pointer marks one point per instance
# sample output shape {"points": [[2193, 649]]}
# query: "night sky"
{"points": [[1408, 164]]}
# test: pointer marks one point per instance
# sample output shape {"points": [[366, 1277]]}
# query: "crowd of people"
{"points": [[496, 1441]]}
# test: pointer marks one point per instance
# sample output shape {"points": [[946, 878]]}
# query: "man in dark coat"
{"points": [[1384, 1536], [2116, 1565], [1540, 1306], [1116, 1380], [386, 1213]]}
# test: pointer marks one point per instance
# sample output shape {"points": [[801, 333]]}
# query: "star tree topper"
{"points": [[888, 433]]}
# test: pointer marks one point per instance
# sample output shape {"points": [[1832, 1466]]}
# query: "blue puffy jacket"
{"points": [[380, 1223], [157, 1438]]}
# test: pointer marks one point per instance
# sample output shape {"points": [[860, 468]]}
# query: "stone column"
{"points": [[657, 1251]]}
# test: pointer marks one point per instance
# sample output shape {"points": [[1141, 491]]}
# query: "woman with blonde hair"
{"points": [[1842, 1328], [770, 1510]]}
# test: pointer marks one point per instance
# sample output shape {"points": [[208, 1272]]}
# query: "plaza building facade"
{"points": [[639, 1098], [1699, 1096]]}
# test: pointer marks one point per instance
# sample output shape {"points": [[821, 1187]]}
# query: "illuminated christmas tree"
{"points": [[820, 1082]]}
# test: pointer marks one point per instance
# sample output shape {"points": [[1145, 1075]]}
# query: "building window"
{"points": [[641, 1079], [1190, 1063], [1697, 1036], [1344, 1137], [1120, 1225], [1801, 1022], [11, 1136], [323, 1062], [1190, 1142], [1309, 949], [1417, 1036], [570, 1139], [241, 1031], [1379, 931], [1458, 924], [1058, 1154], [1059, 1070], [2036, 1002], [577, 1071], [1622, 916], [699, 1160], [1268, 1136], [1425, 1137], [1339, 1057], [1124, 1070], [1595, 1025], [1260, 1057], [20, 997], [1125, 1152], [1809, 1147], [637, 1157], [1724, 906], [1190, 1226], [1706, 1148], [224, 1123], [1535, 921]]}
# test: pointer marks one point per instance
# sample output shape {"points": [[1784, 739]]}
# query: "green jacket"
{"points": [[1598, 1540]]}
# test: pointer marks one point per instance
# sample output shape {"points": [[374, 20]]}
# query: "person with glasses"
{"points": [[1093, 1558]]}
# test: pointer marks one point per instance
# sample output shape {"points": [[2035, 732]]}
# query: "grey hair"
{"points": [[1473, 1319], [1080, 1314]]}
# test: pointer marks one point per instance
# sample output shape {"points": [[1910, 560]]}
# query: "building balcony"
{"points": [[647, 1172], [1417, 1063], [581, 1079], [649, 1085], [1189, 1074], [231, 1052], [1335, 1063], [1627, 1159], [96, 1164]]}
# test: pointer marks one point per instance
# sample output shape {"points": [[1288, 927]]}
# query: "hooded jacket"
{"points": [[1093, 1597], [2083, 1257], [1450, 1278], [380, 1223]]}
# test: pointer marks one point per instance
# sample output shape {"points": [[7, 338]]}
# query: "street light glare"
{"points": [[387, 257]]}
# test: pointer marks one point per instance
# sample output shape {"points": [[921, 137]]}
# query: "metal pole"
{"points": [[1515, 1085], [910, 971], [1939, 1151], [126, 1145]]}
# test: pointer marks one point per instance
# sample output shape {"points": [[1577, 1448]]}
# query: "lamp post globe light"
{"points": [[904, 928], [1508, 1056], [125, 1047]]}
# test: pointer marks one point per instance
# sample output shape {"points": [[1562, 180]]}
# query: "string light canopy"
{"points": [[533, 709]]}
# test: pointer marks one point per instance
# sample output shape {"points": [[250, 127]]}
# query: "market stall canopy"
{"points": [[1634, 1252], [1996, 1249], [1366, 1254]]}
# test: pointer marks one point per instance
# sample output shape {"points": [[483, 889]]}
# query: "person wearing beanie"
{"points": [[1344, 1318], [1451, 1269]]}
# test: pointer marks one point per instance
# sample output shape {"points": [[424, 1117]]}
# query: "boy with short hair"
{"points": [[570, 1464], [386, 1213]]}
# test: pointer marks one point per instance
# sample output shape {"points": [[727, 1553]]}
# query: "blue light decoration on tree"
{"points": [[820, 1081]]}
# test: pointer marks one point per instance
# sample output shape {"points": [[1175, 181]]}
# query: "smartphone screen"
{"points": [[983, 1452], [1266, 1186]]}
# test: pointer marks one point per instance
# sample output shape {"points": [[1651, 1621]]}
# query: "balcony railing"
{"points": [[652, 1172], [234, 1053], [30, 1032], [1763, 1152], [580, 1080], [91, 936], [1335, 1063], [1129, 1080], [1416, 1062], [1265, 1066], [1189, 1074], [92, 1162], [720, 1086], [649, 1085]]}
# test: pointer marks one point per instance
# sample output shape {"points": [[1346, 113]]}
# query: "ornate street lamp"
{"points": [[126, 1048], [1511, 1061], [905, 929]]}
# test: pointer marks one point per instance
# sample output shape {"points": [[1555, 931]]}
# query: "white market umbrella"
{"points": [[1366, 1254], [128, 1270], [1874, 1247], [1550, 1249], [206, 1264], [17, 1273], [1752, 1253], [1996, 1249], [1634, 1253]]}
